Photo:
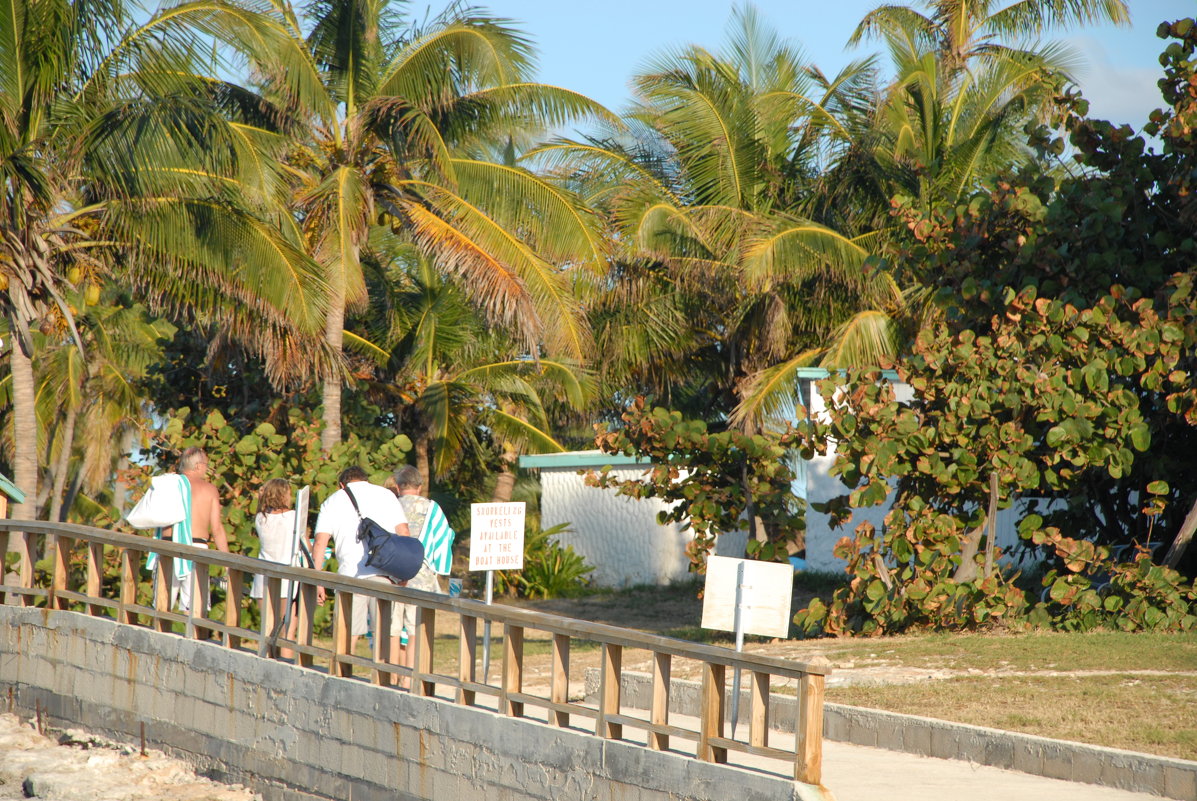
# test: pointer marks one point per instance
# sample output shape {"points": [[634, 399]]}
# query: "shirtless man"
{"points": [[206, 525]]}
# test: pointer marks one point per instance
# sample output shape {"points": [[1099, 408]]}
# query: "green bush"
{"points": [[550, 569]]}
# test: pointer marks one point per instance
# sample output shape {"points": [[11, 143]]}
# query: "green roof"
{"points": [[579, 459], [10, 489], [819, 373]]}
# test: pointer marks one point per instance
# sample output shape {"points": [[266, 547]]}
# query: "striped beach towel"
{"points": [[431, 526], [437, 537], [182, 529]]}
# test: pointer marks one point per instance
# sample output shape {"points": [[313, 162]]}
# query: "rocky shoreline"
{"points": [[73, 765]]}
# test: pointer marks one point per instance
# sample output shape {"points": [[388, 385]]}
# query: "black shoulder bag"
{"points": [[387, 552]]}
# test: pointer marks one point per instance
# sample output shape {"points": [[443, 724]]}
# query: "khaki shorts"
{"points": [[403, 617], [365, 608]]}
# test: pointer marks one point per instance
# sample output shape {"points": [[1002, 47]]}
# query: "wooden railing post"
{"points": [[162, 580], [758, 727], [425, 639], [513, 668], [714, 687], [130, 570], [232, 607], [662, 676], [808, 757], [342, 633], [198, 610], [62, 569], [25, 565], [609, 692], [307, 619], [560, 680], [382, 642], [95, 576], [467, 658]]}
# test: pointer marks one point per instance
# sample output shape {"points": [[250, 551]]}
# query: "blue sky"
{"points": [[595, 46]]}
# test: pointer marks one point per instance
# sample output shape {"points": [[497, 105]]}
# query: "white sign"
{"points": [[764, 599], [497, 536]]}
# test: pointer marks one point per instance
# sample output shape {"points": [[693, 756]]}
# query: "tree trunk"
{"points": [[24, 430], [62, 465], [505, 484], [423, 446], [120, 492], [68, 502], [967, 570], [334, 335], [1183, 538], [991, 540]]}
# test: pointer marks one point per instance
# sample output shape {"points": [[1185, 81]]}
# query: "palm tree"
{"points": [[389, 124], [713, 203], [98, 395], [452, 377], [119, 161], [951, 119], [961, 31]]}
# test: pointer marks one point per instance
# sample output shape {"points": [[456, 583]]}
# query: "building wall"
{"points": [[299, 735], [620, 536]]}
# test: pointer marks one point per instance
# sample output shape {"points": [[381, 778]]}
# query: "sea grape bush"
{"points": [[1064, 349], [710, 479]]}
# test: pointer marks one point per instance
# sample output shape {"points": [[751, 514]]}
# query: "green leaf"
{"points": [[1055, 436]]}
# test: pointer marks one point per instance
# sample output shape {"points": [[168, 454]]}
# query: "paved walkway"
{"points": [[860, 773], [857, 773]]}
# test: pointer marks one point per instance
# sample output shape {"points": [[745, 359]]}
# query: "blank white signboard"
{"points": [[765, 602]]}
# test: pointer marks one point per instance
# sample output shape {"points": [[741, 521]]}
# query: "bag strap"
{"points": [[353, 501]]}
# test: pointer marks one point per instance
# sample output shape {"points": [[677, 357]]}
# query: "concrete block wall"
{"points": [[300, 735], [1039, 756]]}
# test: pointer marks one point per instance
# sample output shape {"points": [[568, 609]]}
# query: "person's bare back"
{"points": [[206, 525], [205, 514]]}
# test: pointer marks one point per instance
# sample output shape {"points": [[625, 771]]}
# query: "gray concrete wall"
{"points": [[291, 733], [1039, 756]]}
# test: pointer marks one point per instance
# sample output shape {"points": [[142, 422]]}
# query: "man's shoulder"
{"points": [[364, 489], [415, 502], [336, 504], [203, 487]]}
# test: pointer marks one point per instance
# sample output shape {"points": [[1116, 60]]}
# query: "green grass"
{"points": [[1046, 651], [1153, 714]]}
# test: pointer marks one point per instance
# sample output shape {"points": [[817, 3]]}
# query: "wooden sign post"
{"points": [[747, 596]]}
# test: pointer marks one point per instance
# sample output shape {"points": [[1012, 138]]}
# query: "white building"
{"points": [[620, 536]]}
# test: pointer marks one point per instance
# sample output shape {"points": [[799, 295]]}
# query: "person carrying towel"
{"points": [[427, 522], [202, 527]]}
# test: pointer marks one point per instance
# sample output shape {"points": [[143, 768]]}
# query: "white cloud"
{"points": [[1117, 91]]}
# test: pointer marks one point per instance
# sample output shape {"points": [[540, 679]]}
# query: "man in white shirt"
{"points": [[339, 521]]}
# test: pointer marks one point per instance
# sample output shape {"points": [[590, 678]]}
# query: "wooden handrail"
{"points": [[609, 720], [579, 629]]}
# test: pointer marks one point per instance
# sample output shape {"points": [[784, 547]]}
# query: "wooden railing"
{"points": [[86, 590]]}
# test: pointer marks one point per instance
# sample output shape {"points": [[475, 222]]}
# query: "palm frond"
{"points": [[771, 392], [523, 434]]}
